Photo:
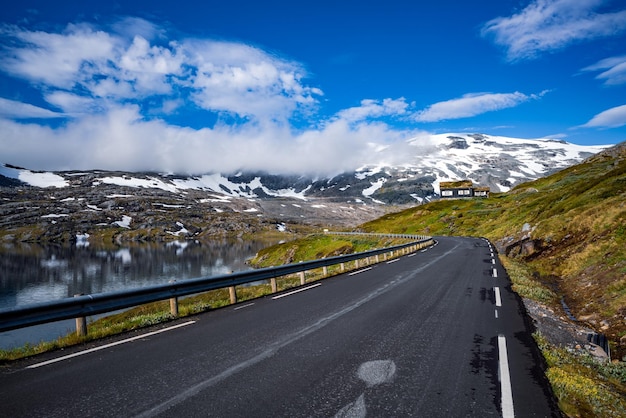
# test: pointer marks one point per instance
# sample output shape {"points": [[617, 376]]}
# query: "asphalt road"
{"points": [[435, 334]]}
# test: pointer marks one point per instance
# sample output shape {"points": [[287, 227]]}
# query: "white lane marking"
{"points": [[505, 380], [244, 306], [498, 298], [493, 261], [296, 291], [424, 250], [496, 314], [359, 271], [411, 255], [102, 347], [393, 261], [495, 273]]}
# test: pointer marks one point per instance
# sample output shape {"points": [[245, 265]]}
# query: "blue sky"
{"points": [[310, 86]]}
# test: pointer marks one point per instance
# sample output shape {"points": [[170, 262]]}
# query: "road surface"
{"points": [[435, 334]]}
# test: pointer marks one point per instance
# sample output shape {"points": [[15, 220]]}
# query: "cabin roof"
{"points": [[455, 184]]}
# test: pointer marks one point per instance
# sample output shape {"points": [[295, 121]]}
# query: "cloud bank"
{"points": [[549, 25]]}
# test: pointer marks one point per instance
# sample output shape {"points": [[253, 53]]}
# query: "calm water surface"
{"points": [[32, 273]]}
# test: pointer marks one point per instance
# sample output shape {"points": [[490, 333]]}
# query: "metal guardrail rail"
{"points": [[87, 305]]}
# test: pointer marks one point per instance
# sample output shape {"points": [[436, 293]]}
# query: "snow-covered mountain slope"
{"points": [[414, 175]]}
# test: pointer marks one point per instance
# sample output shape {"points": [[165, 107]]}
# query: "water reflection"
{"points": [[33, 273]]}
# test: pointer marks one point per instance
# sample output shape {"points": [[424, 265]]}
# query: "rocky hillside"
{"points": [[84, 207]]}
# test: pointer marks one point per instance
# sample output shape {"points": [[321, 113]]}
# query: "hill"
{"points": [[567, 229]]}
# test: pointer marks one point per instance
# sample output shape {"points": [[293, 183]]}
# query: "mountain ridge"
{"points": [[412, 177]]}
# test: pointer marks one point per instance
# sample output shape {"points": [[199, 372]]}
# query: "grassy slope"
{"points": [[574, 240]]}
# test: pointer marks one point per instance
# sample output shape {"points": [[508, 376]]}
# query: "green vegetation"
{"points": [[318, 246], [583, 386]]}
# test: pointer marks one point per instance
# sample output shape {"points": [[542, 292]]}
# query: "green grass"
{"points": [[583, 386]]}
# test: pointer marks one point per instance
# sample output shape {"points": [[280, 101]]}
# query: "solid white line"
{"points": [[102, 347], [296, 291], [498, 299], [359, 271], [244, 306], [495, 273], [505, 380], [393, 261]]}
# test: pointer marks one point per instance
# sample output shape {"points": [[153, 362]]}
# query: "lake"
{"points": [[33, 273]]}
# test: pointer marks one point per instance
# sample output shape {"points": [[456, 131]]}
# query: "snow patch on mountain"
{"points": [[421, 164]]}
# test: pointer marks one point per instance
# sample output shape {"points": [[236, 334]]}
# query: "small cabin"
{"points": [[461, 189]]}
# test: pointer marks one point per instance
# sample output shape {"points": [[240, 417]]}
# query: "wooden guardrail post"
{"points": [[274, 285], [173, 304], [325, 271], [343, 267], [302, 277], [233, 294], [81, 323]]}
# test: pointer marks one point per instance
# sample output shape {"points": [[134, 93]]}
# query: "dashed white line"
{"points": [[296, 291], [498, 298], [505, 380], [393, 261], [243, 306], [359, 271], [411, 255], [493, 261], [102, 347], [495, 273], [496, 312]]}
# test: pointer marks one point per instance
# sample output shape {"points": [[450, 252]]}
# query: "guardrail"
{"points": [[82, 306]]}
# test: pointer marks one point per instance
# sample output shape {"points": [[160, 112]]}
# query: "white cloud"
{"points": [[472, 104], [374, 109], [71, 104], [615, 70], [19, 110], [246, 81], [611, 118], [548, 25], [133, 63], [121, 139], [58, 60]]}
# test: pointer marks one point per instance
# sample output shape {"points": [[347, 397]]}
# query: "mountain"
{"points": [[73, 202], [418, 166]]}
